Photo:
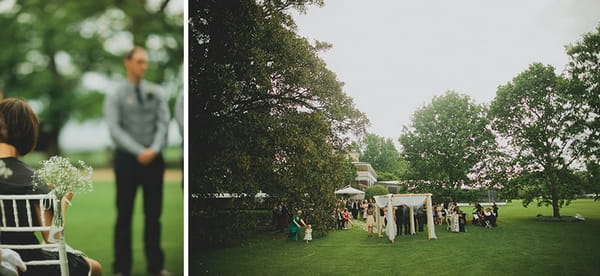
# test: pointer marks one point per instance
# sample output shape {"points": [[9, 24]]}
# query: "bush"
{"points": [[224, 227], [376, 190]]}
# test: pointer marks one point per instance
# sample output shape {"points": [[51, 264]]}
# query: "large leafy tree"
{"points": [[48, 46], [591, 179], [584, 67], [447, 144], [384, 157], [537, 118], [265, 113]]}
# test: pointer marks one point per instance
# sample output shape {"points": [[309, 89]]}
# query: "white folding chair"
{"points": [[15, 225]]}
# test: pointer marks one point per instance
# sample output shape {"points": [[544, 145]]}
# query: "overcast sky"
{"points": [[395, 56]]}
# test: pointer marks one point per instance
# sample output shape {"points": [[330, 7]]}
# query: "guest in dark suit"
{"points": [[462, 220], [420, 217], [281, 216], [399, 219], [478, 207], [340, 219], [355, 207], [406, 219], [495, 208]]}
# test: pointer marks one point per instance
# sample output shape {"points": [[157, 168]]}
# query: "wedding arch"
{"points": [[412, 200]]}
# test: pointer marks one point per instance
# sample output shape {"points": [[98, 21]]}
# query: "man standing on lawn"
{"points": [[137, 115]]}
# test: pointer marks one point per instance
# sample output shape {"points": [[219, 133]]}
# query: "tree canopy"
{"points": [[537, 118], [447, 144], [591, 179], [265, 112], [384, 157], [584, 68]]}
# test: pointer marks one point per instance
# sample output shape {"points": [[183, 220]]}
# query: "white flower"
{"points": [[4, 171], [62, 177]]}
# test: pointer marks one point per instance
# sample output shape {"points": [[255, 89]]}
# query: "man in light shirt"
{"points": [[137, 115]]}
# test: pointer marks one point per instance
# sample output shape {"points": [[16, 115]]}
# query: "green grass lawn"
{"points": [[520, 245], [91, 218]]}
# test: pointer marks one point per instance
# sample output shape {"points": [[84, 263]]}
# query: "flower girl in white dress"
{"points": [[308, 233]]}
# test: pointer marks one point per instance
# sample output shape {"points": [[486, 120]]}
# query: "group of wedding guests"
{"points": [[450, 214], [485, 217], [349, 209], [356, 207], [367, 212], [283, 218]]}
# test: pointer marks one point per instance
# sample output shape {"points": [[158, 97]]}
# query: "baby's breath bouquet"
{"points": [[62, 177]]}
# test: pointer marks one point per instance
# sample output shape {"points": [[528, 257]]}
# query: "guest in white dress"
{"points": [[454, 227]]}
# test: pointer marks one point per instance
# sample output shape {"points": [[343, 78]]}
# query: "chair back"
{"points": [[16, 218]]}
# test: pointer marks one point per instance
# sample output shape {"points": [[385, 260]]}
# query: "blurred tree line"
{"points": [[50, 46]]}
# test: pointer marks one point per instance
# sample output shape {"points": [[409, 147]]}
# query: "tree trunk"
{"points": [[50, 143], [554, 183]]}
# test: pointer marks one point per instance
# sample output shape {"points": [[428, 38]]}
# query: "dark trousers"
{"points": [[129, 175], [420, 220], [281, 222], [399, 228], [354, 213]]}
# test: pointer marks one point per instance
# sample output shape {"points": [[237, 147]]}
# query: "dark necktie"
{"points": [[138, 93]]}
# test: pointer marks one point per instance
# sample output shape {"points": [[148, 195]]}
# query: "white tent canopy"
{"points": [[352, 192], [411, 200]]}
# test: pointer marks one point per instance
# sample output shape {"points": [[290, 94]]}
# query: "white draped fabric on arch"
{"points": [[412, 200]]}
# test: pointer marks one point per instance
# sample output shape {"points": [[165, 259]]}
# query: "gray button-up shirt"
{"points": [[134, 126]]}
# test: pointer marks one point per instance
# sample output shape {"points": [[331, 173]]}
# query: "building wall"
{"points": [[366, 175]]}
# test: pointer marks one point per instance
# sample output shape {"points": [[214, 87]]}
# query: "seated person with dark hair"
{"points": [[19, 131], [489, 218]]}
